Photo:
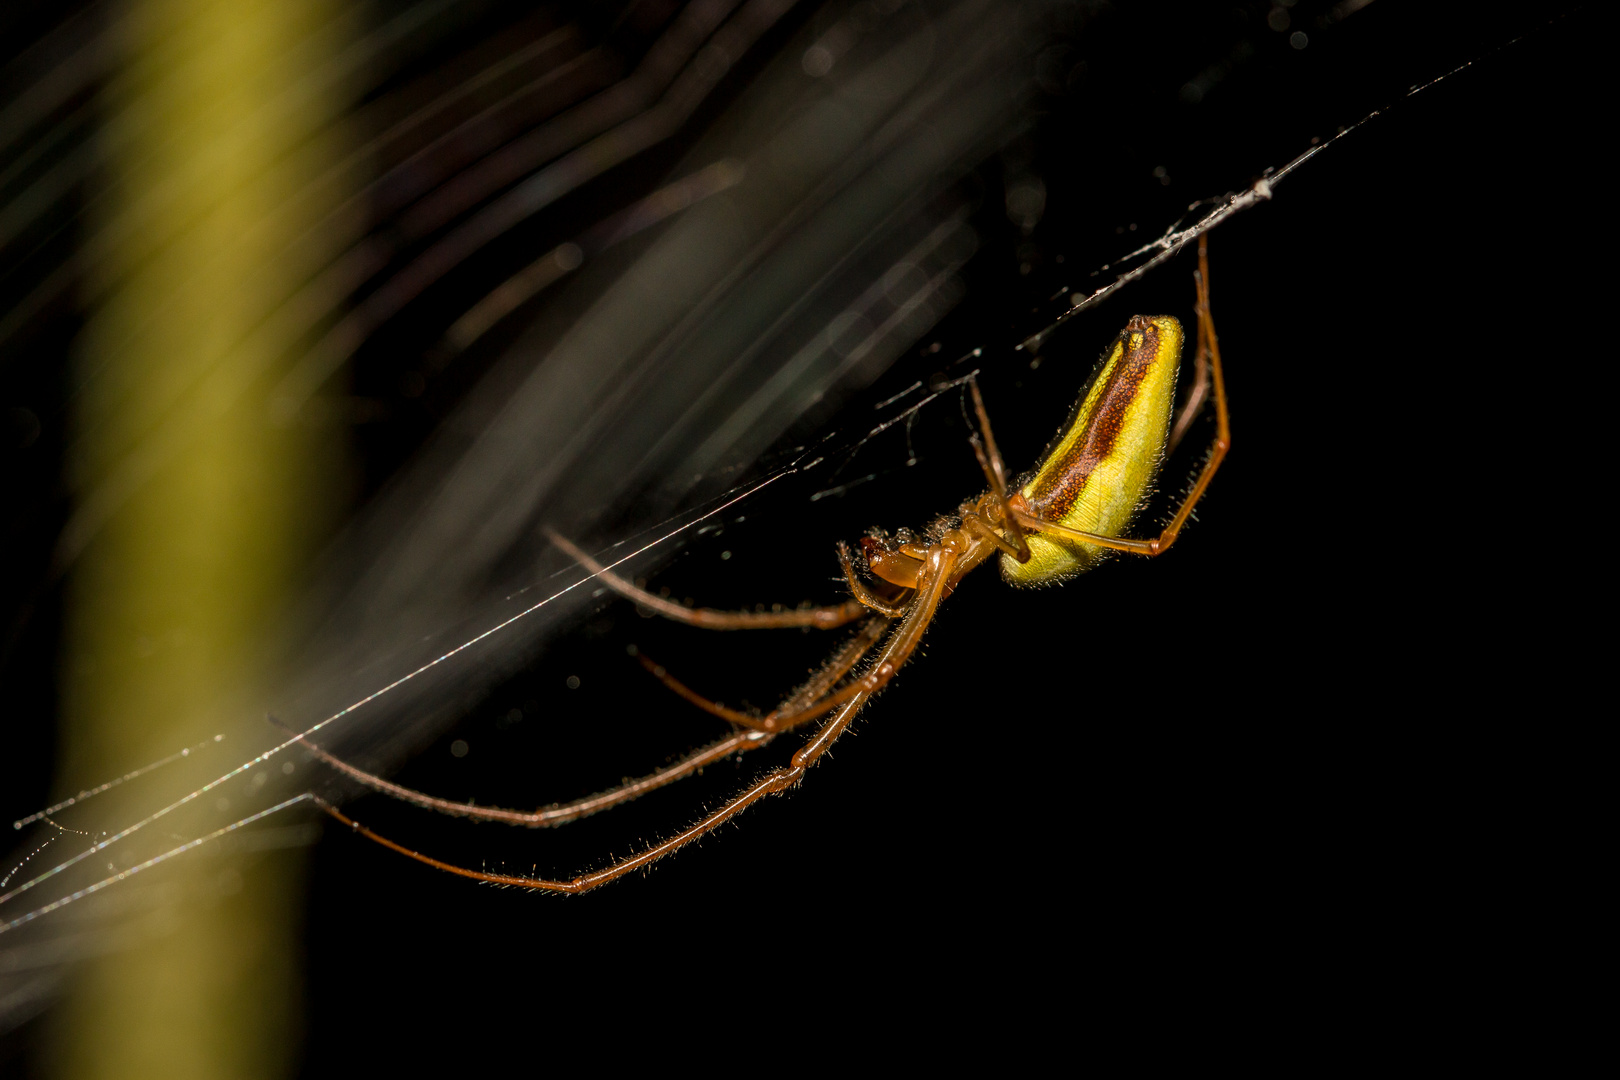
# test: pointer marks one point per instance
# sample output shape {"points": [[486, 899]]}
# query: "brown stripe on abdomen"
{"points": [[1060, 482]]}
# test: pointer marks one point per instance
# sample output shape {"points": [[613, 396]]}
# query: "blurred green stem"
{"points": [[214, 129]]}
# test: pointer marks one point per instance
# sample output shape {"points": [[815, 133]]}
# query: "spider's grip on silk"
{"points": [[1100, 467]]}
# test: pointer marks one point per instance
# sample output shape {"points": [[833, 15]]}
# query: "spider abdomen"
{"points": [[1099, 469]]}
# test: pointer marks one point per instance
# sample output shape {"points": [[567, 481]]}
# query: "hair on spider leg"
{"points": [[1122, 421], [925, 576]]}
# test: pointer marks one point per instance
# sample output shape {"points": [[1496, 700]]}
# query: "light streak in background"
{"points": [[567, 257]]}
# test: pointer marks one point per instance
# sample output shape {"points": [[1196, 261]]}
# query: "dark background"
{"points": [[1286, 761]]}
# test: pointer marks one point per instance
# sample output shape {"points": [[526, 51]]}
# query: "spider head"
{"points": [[886, 561]]}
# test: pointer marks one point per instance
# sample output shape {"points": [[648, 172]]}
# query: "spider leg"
{"points": [[979, 528], [900, 646], [836, 666], [822, 618], [804, 705], [1217, 452], [1198, 396], [931, 589], [995, 471], [738, 742], [772, 782]]}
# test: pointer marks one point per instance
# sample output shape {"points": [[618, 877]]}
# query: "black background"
{"points": [[1283, 773]]}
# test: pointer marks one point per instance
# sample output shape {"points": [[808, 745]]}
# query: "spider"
{"points": [[1055, 522]]}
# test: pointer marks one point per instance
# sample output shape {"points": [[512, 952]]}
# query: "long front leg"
{"points": [[775, 781], [739, 742], [902, 643]]}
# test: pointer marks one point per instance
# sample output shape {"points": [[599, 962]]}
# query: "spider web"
{"points": [[453, 635]]}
